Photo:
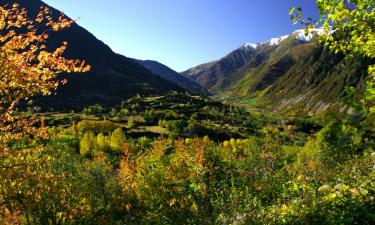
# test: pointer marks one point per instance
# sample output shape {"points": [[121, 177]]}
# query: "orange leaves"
{"points": [[27, 68]]}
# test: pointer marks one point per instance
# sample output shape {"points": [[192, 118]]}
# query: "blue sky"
{"points": [[182, 33]]}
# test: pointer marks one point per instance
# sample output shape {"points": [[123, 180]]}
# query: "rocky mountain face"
{"points": [[169, 74], [113, 76]]}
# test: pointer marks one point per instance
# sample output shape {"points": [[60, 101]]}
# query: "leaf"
{"points": [[292, 10]]}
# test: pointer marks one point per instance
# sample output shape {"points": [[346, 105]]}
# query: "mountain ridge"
{"points": [[173, 76], [274, 79], [113, 77]]}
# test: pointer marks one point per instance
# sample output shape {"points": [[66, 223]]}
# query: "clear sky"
{"points": [[182, 33]]}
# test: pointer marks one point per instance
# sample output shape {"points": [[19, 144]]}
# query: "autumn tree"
{"points": [[102, 142], [28, 68], [88, 144], [117, 140]]}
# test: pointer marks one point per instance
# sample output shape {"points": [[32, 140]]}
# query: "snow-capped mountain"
{"points": [[302, 36], [220, 74], [250, 45], [299, 35], [276, 41], [286, 72]]}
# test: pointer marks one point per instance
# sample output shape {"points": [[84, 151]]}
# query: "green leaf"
{"points": [[291, 11]]}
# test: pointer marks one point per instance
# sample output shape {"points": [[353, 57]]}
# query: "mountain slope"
{"points": [[173, 76], [316, 83], [113, 77], [216, 76], [301, 76], [286, 73], [279, 60]]}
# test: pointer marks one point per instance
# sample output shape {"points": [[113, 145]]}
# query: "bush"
{"points": [[338, 142], [132, 123]]}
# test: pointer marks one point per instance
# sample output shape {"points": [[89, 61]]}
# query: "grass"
{"points": [[155, 129]]}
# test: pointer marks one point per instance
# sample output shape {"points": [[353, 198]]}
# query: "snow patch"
{"points": [[276, 41], [250, 45], [301, 34]]}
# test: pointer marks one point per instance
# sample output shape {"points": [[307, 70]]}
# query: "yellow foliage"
{"points": [[28, 69]]}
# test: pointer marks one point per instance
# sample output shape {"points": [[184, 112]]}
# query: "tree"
{"points": [[117, 140], [102, 142], [348, 26], [27, 68], [88, 144]]}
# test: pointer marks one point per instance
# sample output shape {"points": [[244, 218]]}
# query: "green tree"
{"points": [[117, 140], [87, 146], [102, 142]]}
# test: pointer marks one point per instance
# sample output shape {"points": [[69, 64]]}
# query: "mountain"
{"points": [[173, 76], [216, 76], [283, 53], [113, 76], [221, 74], [285, 73], [316, 83]]}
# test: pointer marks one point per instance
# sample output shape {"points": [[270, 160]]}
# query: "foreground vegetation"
{"points": [[92, 172], [102, 166], [177, 159]]}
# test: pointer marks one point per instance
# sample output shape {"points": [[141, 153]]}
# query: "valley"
{"points": [[275, 132]]}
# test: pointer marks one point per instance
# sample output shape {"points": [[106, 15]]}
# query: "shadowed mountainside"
{"points": [[113, 76], [173, 76]]}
